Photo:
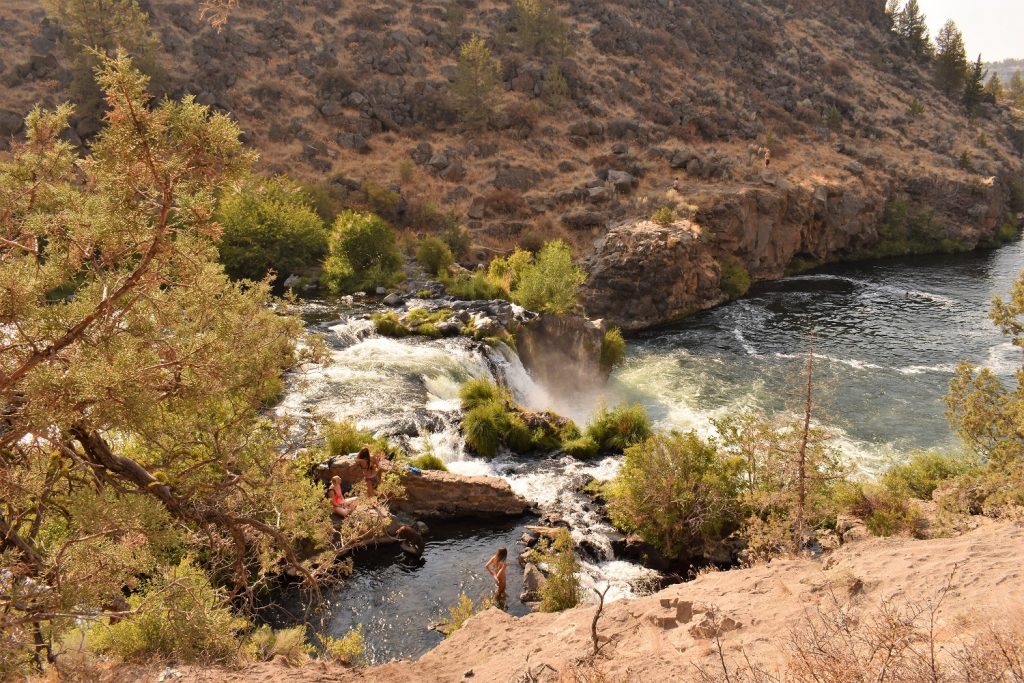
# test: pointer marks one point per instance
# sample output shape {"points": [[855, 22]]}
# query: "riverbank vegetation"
{"points": [[492, 420], [269, 226]]}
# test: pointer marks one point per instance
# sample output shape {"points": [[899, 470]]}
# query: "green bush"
{"points": [[677, 492], [429, 461], [434, 255], [178, 616], [485, 427], [664, 216], [923, 473], [350, 649], [363, 254], [562, 590], [460, 613], [735, 281], [581, 447], [389, 325], [551, 284], [885, 512], [613, 349], [269, 226], [381, 200], [477, 392], [473, 287], [287, 645], [344, 437], [457, 238], [492, 420], [615, 430]]}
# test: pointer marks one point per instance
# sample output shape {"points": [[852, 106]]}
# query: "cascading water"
{"points": [[408, 390]]}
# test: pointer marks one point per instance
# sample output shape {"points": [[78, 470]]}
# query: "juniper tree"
{"points": [[994, 88], [974, 85], [912, 28], [99, 28], [475, 90], [133, 374], [950, 60]]}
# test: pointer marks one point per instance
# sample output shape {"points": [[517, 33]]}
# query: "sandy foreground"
{"points": [[669, 635]]}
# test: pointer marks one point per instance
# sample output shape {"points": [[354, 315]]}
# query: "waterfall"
{"points": [[408, 390]]}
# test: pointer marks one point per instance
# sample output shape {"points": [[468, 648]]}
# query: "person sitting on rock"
{"points": [[370, 469], [496, 567], [410, 540], [341, 505]]}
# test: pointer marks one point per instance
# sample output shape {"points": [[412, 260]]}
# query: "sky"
{"points": [[995, 28]]}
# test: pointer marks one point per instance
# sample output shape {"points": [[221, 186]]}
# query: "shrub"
{"points": [[429, 461], [389, 325], [915, 108], [473, 287], [581, 447], [434, 255], [178, 616], [617, 429], [460, 613], [363, 254], [885, 512], [735, 280], [406, 170], [381, 200], [555, 89], [485, 427], [562, 589], [457, 238], [965, 162], [350, 649], [477, 392], [664, 216], [269, 226], [923, 473], [344, 437], [552, 283], [265, 644], [613, 349], [677, 492]]}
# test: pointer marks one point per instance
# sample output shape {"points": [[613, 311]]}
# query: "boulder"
{"points": [[440, 495], [622, 181], [533, 583], [563, 353]]}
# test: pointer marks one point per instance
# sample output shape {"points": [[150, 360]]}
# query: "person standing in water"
{"points": [[497, 567]]}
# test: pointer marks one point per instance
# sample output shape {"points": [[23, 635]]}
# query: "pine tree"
{"points": [[1015, 92], [99, 28], [974, 86], [475, 89], [951, 60], [912, 27], [994, 88], [134, 376]]}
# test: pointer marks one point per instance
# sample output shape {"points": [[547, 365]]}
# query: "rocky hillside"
{"points": [[878, 592], [666, 103]]}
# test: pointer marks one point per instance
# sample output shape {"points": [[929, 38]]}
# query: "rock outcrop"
{"points": [[442, 495], [645, 274]]}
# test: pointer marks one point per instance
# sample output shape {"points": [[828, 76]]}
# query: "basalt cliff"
{"points": [[654, 103]]}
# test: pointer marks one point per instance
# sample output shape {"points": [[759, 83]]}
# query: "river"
{"points": [[886, 338]]}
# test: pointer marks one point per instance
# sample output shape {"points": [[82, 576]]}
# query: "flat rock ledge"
{"points": [[444, 495]]}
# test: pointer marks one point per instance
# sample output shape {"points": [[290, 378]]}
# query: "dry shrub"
{"points": [[506, 202], [895, 642]]}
